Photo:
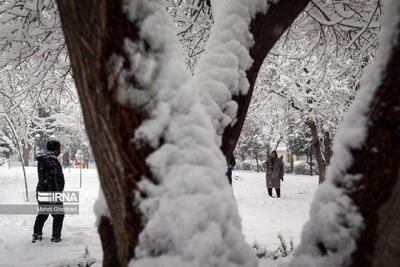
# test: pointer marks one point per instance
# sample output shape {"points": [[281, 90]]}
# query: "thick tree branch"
{"points": [[266, 29]]}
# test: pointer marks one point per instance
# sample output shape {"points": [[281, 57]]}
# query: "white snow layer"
{"points": [[100, 207], [191, 217], [222, 69], [335, 221]]}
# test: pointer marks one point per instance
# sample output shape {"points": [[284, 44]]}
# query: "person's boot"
{"points": [[278, 192], [55, 239], [269, 192], [57, 226], [36, 237]]}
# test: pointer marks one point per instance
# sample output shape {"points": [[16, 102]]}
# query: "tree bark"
{"points": [[310, 162], [94, 30], [25, 153], [327, 148], [258, 167], [108, 242], [316, 146], [378, 161], [291, 163], [266, 30]]}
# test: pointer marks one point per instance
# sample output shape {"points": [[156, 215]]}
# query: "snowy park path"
{"points": [[262, 217]]}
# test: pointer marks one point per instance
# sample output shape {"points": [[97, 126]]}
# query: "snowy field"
{"points": [[78, 232], [263, 217]]}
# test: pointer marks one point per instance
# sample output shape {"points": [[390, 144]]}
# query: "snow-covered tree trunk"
{"points": [[26, 149], [377, 194], [291, 159], [316, 147], [327, 147], [354, 216], [152, 138], [94, 31]]}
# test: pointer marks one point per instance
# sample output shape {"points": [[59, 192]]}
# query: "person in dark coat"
{"points": [[51, 179], [66, 159], [275, 170], [231, 164]]}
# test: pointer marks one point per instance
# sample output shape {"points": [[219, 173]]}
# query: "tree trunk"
{"points": [[20, 153], [327, 148], [25, 154], [94, 30], [378, 161], [258, 167], [316, 146], [310, 162], [108, 242], [266, 29], [251, 161], [291, 163]]}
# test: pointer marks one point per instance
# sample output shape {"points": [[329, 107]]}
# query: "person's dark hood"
{"points": [[43, 155]]}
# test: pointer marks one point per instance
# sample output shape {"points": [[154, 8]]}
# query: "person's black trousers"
{"points": [[57, 224], [278, 192]]}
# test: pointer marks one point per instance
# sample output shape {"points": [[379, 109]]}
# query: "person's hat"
{"points": [[53, 145]]}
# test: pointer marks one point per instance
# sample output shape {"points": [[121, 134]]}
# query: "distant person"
{"points": [[76, 162], [86, 163], [66, 159], [232, 163], [51, 179], [275, 170]]}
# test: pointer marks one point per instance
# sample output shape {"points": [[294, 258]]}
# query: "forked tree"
{"points": [[156, 132]]}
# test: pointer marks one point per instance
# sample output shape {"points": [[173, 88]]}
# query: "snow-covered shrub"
{"points": [[261, 251], [6, 148], [283, 250], [302, 167], [248, 165], [287, 168], [84, 261]]}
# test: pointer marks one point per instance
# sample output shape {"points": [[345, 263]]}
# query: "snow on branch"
{"points": [[222, 69]]}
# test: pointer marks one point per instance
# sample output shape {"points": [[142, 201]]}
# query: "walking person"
{"points": [[51, 179], [231, 164], [275, 170]]}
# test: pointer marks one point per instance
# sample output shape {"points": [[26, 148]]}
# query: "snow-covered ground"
{"points": [[78, 232], [262, 217]]}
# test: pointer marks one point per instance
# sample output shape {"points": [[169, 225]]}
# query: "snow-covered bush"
{"points": [[6, 148], [302, 167], [283, 250], [84, 261], [287, 168], [260, 250], [248, 165]]}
